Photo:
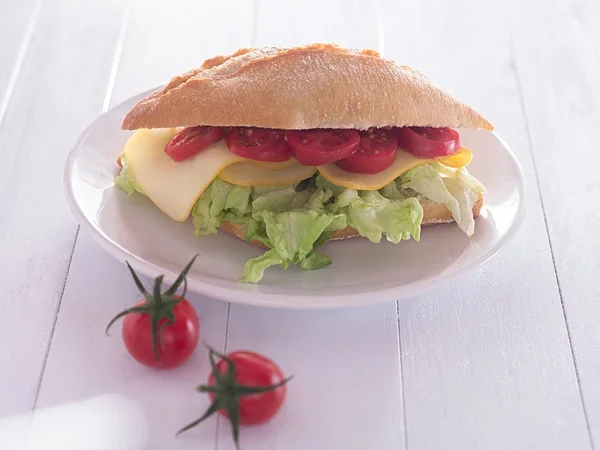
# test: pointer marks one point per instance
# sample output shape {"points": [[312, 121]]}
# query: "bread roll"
{"points": [[316, 86]]}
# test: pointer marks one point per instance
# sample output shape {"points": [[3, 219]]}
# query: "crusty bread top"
{"points": [[316, 86]]}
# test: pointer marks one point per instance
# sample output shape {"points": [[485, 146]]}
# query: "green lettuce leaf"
{"points": [[293, 221], [392, 191], [455, 188], [126, 181], [315, 261], [374, 215], [292, 236], [219, 198], [293, 233], [255, 268], [254, 229], [279, 200]]}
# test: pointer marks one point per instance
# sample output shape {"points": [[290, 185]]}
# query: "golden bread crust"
{"points": [[433, 213], [315, 86]]}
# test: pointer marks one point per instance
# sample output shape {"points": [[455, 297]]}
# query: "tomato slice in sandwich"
{"points": [[260, 144], [377, 152], [191, 141], [428, 142], [318, 147]]}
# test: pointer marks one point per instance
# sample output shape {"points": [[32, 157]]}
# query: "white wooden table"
{"points": [[507, 358]]}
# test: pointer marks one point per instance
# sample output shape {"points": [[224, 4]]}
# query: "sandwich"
{"points": [[289, 148]]}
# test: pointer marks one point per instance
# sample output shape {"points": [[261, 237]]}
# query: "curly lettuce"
{"points": [[126, 181], [294, 221], [455, 188]]}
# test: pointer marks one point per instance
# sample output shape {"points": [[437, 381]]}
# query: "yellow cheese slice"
{"points": [[404, 161], [175, 186], [246, 174]]}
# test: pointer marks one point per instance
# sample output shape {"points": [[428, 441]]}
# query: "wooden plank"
{"points": [[17, 25], [557, 50], [54, 98], [351, 23], [347, 389], [166, 40], [99, 286], [84, 365], [486, 362]]}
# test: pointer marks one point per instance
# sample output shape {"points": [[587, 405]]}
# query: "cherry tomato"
{"points": [[260, 144], [428, 142], [162, 329], [318, 147], [254, 370], [191, 141], [244, 386], [176, 343], [377, 152]]}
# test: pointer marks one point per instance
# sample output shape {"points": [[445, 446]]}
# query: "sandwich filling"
{"points": [[293, 200]]}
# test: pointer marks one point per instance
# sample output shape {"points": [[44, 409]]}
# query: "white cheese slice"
{"points": [[175, 186]]}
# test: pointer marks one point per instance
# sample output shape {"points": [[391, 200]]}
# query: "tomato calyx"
{"points": [[227, 392], [158, 305]]}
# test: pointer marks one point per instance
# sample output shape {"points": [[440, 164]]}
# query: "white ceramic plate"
{"points": [[361, 273]]}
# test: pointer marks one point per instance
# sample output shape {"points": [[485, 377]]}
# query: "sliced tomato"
{"points": [[377, 152], [191, 141], [260, 144], [428, 142], [318, 147]]}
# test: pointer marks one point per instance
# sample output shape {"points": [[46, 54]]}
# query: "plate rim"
{"points": [[251, 296]]}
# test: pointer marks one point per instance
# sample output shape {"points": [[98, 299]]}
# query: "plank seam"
{"points": [[539, 190], [401, 374], [116, 63], [107, 98], [53, 328]]}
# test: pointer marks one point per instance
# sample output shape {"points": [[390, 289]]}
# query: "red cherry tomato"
{"points": [[318, 147], [428, 142], [176, 344], [260, 144], [377, 152], [162, 329], [254, 370], [244, 386], [191, 141]]}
